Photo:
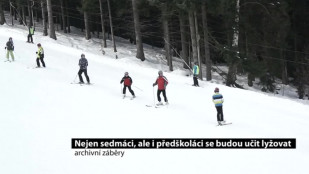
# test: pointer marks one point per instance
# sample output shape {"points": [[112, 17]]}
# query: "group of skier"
{"points": [[161, 80]]}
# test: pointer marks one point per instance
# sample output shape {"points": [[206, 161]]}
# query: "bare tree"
{"points": [[138, 35], [2, 19], [102, 24], [206, 45], [43, 18], [111, 25], [63, 16], [184, 44], [52, 33]]}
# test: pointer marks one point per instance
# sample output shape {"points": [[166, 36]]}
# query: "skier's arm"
{"points": [[122, 80], [155, 83], [131, 80]]}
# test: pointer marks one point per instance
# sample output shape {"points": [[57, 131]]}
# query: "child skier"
{"points": [[162, 83], [10, 49], [31, 32], [83, 64], [217, 98], [40, 56], [196, 72], [127, 84]]}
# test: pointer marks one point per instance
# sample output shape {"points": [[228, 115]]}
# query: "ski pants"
{"points": [[219, 113], [30, 39], [164, 95], [10, 52], [195, 82], [80, 75], [38, 62], [129, 87]]}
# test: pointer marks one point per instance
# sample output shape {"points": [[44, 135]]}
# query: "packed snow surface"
{"points": [[41, 111]]}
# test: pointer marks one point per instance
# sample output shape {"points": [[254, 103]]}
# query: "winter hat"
{"points": [[10, 38], [38, 44], [126, 73], [82, 56], [160, 73], [216, 89]]}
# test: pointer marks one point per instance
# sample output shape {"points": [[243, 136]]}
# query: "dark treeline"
{"points": [[266, 40]]}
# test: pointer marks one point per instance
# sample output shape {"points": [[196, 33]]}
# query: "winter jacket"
{"points": [[217, 98], [40, 53], [10, 45], [127, 80], [83, 63], [31, 31], [161, 82], [196, 70]]}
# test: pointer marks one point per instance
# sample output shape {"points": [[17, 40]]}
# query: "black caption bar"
{"points": [[186, 143]]}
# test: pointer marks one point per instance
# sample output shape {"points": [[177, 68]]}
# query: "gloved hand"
{"points": [[5, 48], [36, 52], [154, 84]]}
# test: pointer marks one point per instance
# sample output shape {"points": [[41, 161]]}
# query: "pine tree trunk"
{"points": [[206, 43], [102, 24], [44, 18], [52, 33], [111, 25], [87, 29], [193, 36], [63, 17], [68, 17], [184, 45], [24, 15], [2, 19], [29, 13], [198, 46], [231, 76], [138, 35], [166, 36]]}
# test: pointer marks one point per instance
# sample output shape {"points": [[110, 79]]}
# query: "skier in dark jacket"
{"points": [[127, 80], [83, 63], [10, 49], [162, 83]]}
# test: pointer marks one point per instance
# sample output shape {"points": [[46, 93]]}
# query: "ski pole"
{"points": [[153, 96], [120, 88], [137, 88], [75, 78]]}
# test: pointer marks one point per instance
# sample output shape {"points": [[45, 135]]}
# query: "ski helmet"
{"points": [[126, 73], [82, 56], [216, 89], [160, 73], [10, 38], [38, 44]]}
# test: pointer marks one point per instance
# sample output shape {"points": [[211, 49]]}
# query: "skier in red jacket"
{"points": [[162, 83], [127, 84]]}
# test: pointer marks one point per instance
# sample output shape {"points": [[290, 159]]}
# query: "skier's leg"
{"points": [[221, 113], [86, 75], [80, 76], [131, 91], [31, 38], [164, 95], [42, 61], [124, 89], [38, 62], [7, 54], [158, 95], [218, 113], [12, 55]]}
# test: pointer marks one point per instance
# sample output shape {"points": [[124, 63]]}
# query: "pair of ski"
{"points": [[131, 98], [224, 124], [81, 84], [8, 61], [157, 105]]}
